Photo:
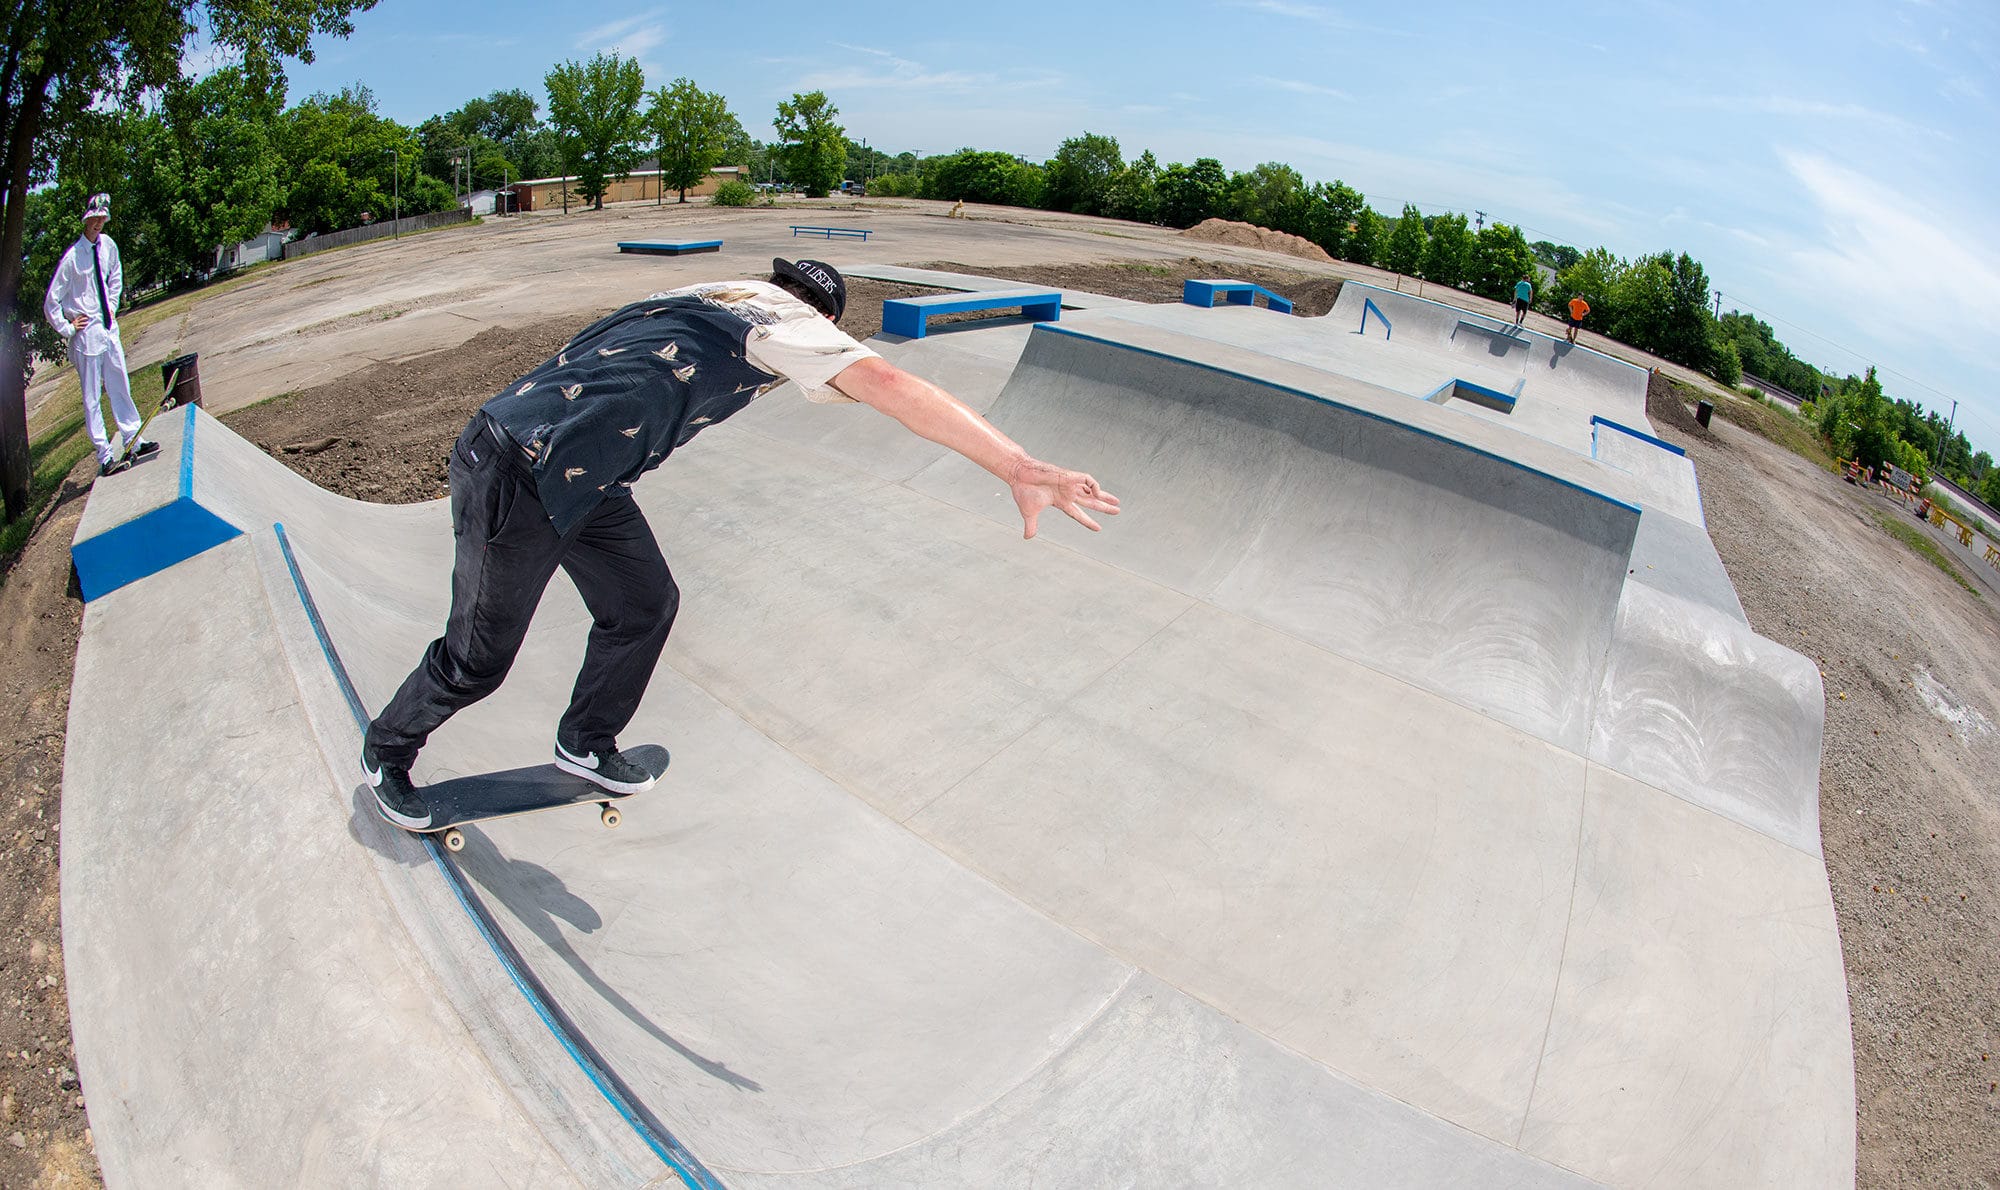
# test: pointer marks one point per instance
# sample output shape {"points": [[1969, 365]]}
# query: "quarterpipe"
{"points": [[1393, 796]]}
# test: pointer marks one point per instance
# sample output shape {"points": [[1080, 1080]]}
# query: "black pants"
{"points": [[505, 553]]}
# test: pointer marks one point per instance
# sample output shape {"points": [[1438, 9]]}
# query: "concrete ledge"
{"points": [[669, 247], [144, 520]]}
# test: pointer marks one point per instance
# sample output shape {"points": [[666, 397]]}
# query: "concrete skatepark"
{"points": [[1395, 795]]}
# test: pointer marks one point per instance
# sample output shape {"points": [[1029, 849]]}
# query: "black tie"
{"points": [[97, 267]]}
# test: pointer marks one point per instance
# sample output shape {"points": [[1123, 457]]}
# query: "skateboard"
{"points": [[462, 801]]}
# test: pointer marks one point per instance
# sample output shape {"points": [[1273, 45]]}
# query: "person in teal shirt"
{"points": [[1523, 294]]}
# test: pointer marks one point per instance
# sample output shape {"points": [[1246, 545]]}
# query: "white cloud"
{"points": [[632, 37], [1301, 88]]}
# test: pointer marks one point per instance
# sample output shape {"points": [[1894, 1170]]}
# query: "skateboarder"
{"points": [[82, 304], [1524, 294], [542, 477], [1578, 309]]}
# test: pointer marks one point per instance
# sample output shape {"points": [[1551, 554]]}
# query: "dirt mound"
{"points": [[1667, 403], [1249, 235]]}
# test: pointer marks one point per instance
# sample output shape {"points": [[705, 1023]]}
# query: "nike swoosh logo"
{"points": [[589, 762]]}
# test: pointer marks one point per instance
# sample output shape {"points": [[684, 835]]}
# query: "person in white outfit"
{"points": [[82, 304]]}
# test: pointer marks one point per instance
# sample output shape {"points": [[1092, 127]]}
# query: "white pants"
{"points": [[105, 373]]}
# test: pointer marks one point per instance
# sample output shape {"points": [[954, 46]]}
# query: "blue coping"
{"points": [[909, 316], [861, 233], [1319, 399], [1597, 421], [1236, 293], [152, 541], [669, 247], [655, 1135], [1368, 307]]}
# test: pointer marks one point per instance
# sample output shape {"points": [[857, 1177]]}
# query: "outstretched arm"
{"points": [[930, 412]]}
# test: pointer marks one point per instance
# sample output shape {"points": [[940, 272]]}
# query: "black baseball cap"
{"points": [[820, 279]]}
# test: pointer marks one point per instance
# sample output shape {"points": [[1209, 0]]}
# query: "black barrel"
{"points": [[1703, 411], [182, 381]]}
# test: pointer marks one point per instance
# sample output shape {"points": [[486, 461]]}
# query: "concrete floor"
{"points": [[1393, 796]]}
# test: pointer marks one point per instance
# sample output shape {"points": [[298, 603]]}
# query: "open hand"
{"points": [[1037, 485], [79, 321]]}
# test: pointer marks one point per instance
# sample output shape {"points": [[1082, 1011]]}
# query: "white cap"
{"points": [[100, 207]]}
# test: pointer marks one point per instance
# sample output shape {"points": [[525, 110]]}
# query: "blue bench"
{"points": [[858, 233], [907, 316], [669, 247], [1236, 293]]}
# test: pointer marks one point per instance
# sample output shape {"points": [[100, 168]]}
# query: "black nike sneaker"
{"points": [[610, 769], [396, 799]]}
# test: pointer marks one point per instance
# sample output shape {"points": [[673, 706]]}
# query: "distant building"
{"points": [[268, 244], [542, 194]]}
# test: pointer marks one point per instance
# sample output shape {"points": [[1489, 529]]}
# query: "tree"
{"points": [[1080, 175], [64, 59], [343, 159], [812, 147], [1404, 252], [1364, 243], [1191, 193], [1557, 256], [1133, 194], [1272, 195], [594, 106], [1448, 255], [693, 127], [1500, 258], [973, 175], [1331, 214], [205, 172]]}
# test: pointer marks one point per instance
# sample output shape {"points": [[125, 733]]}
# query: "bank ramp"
{"points": [[1346, 814]]}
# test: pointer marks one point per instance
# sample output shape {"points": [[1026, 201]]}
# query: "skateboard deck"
{"points": [[462, 801]]}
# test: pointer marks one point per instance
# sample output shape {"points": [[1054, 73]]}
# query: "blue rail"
{"points": [[1368, 307]]}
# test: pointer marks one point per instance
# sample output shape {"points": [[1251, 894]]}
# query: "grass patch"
{"points": [[1920, 541], [60, 443], [1138, 266], [1772, 420]]}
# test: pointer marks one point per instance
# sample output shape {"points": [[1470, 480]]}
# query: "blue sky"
{"points": [[1832, 164]]}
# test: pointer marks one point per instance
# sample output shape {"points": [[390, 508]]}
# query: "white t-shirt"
{"points": [[788, 337]]}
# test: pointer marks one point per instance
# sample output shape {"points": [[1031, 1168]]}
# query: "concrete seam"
{"points": [[1569, 925], [1081, 690], [1056, 1051]]}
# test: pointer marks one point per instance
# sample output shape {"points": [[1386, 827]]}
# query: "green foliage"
{"points": [[1404, 252], [693, 127], [1989, 488], [973, 175], [1333, 215], [895, 185], [1272, 195], [1080, 176], [1500, 258], [1134, 193], [1556, 256], [1364, 243], [812, 147], [734, 194], [1449, 253], [1189, 194], [343, 160], [594, 107]]}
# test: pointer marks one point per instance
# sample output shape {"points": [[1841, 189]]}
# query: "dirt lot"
{"points": [[1910, 814]]}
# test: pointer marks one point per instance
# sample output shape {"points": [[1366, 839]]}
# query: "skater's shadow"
{"points": [[538, 898]]}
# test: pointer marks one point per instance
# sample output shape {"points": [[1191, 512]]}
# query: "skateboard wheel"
{"points": [[610, 816], [453, 840]]}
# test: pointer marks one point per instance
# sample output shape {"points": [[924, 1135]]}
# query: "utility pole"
{"points": [[1718, 305], [1938, 462], [1481, 221]]}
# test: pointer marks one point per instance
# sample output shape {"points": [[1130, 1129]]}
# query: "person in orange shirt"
{"points": [[1577, 309]]}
